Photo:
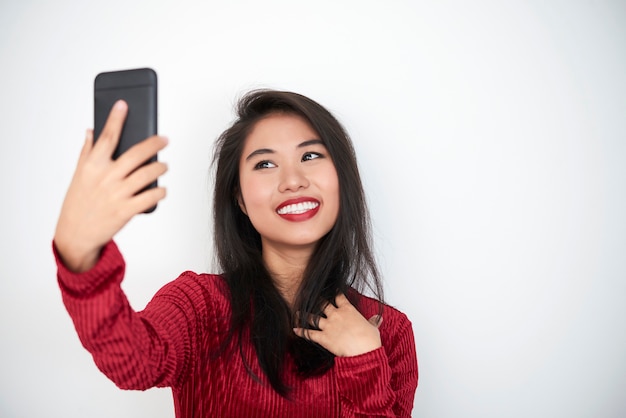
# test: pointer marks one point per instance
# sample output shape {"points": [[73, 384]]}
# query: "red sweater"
{"points": [[170, 341]]}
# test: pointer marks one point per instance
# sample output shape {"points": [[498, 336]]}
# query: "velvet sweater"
{"points": [[170, 343]]}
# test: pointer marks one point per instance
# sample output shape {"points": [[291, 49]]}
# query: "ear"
{"points": [[242, 204]]}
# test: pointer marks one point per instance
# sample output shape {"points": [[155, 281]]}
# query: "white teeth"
{"points": [[297, 208]]}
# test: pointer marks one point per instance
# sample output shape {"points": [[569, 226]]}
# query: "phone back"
{"points": [[138, 88]]}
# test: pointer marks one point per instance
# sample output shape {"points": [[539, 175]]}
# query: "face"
{"points": [[288, 182]]}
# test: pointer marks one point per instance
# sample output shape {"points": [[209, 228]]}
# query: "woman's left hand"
{"points": [[344, 331]]}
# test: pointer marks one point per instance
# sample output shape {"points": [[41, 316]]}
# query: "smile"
{"points": [[297, 208]]}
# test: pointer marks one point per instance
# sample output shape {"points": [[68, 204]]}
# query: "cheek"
{"points": [[254, 191], [331, 184]]}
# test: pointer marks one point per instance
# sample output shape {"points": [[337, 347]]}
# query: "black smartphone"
{"points": [[138, 88]]}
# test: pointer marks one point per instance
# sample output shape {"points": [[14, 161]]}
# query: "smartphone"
{"points": [[138, 88]]}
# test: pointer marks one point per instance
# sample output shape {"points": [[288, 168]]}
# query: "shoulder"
{"points": [[200, 291], [369, 306], [205, 281]]}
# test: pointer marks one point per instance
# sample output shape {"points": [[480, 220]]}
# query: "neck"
{"points": [[286, 267]]}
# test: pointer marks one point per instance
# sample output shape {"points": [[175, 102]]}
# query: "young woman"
{"points": [[284, 330]]}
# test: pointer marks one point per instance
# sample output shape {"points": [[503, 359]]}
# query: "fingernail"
{"points": [[120, 105]]}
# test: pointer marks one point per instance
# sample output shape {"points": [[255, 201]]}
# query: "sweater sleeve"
{"points": [[381, 383], [136, 350]]}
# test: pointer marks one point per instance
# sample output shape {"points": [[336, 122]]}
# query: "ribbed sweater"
{"points": [[173, 341]]}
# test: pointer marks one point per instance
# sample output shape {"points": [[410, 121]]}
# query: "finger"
{"points": [[143, 176], [341, 300], [308, 334], [313, 321], [310, 320], [146, 199], [87, 146], [376, 320], [139, 153], [334, 306], [110, 136], [328, 308]]}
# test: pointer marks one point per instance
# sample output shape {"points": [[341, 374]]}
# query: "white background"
{"points": [[491, 137]]}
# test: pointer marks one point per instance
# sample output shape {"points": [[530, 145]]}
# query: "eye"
{"points": [[308, 156], [264, 164]]}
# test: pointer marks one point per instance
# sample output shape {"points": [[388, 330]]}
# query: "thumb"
{"points": [[87, 146], [376, 320]]}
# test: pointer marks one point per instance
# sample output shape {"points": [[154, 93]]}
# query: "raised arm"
{"points": [[102, 197]]}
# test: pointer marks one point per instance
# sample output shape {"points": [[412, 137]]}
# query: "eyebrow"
{"points": [[262, 151]]}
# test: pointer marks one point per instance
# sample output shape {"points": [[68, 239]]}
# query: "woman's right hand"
{"points": [[102, 196]]}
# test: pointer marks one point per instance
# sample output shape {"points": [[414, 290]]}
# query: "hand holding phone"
{"points": [[105, 193]]}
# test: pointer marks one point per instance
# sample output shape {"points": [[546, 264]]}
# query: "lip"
{"points": [[299, 217]]}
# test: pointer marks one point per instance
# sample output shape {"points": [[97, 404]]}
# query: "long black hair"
{"points": [[342, 260]]}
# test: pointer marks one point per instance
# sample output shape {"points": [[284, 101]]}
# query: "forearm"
{"points": [[381, 383], [364, 385], [125, 344]]}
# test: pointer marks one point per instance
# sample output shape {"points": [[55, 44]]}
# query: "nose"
{"points": [[292, 179]]}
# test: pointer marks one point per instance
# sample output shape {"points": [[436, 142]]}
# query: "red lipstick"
{"points": [[299, 209]]}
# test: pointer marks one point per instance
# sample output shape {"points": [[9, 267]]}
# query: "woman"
{"points": [[284, 331]]}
